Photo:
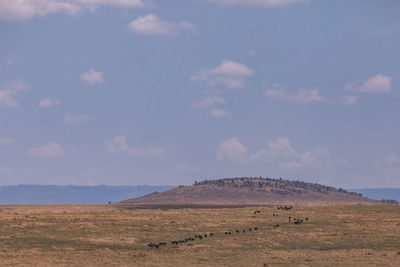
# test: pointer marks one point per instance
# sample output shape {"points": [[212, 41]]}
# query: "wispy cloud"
{"points": [[48, 102], [220, 114], [6, 141], [260, 3], [208, 102], [302, 96], [11, 90], [151, 24], [279, 152], [51, 150], [120, 145], [349, 100], [377, 84], [27, 9], [392, 159], [229, 74], [76, 119], [92, 76]]}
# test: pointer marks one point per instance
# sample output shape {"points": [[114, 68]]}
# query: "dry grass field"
{"points": [[105, 235]]}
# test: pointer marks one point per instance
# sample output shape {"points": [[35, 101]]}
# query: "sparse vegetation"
{"points": [[254, 182], [71, 235]]}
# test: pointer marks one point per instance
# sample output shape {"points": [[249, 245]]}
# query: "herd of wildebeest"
{"points": [[238, 231]]}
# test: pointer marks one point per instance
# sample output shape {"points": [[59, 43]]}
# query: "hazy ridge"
{"points": [[70, 194], [379, 193]]}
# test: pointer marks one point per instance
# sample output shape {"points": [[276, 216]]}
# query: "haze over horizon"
{"points": [[137, 92]]}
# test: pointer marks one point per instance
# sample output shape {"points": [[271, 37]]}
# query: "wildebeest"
{"points": [[153, 245], [244, 231], [297, 221], [211, 234], [237, 231], [290, 219], [255, 228], [249, 229]]}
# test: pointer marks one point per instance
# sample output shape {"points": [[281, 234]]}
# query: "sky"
{"points": [[130, 92]]}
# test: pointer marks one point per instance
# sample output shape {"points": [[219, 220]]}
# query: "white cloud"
{"points": [[232, 149], [302, 96], [48, 102], [220, 114], [51, 150], [5, 171], [279, 152], [260, 3], [151, 24], [229, 74], [92, 76], [12, 61], [18, 85], [350, 100], [251, 53], [148, 153], [392, 159], [377, 84], [6, 141], [76, 119], [11, 91], [120, 145], [27, 9], [7, 99], [209, 102]]}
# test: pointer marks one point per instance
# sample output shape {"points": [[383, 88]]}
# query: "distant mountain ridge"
{"points": [[249, 191], [70, 194], [379, 193]]}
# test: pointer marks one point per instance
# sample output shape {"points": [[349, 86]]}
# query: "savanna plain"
{"points": [[111, 235]]}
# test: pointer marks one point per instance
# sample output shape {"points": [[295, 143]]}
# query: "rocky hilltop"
{"points": [[248, 191]]}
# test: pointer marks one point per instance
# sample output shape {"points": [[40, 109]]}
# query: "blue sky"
{"points": [[168, 92]]}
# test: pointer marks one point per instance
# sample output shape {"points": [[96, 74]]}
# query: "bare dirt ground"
{"points": [[106, 235]]}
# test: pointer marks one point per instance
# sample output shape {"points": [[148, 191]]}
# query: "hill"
{"points": [[70, 194], [248, 191]]}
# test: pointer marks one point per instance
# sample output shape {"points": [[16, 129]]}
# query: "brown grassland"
{"points": [[106, 235]]}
